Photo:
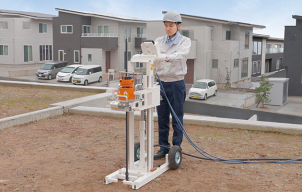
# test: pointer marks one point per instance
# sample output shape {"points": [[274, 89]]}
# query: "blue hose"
{"points": [[207, 155]]}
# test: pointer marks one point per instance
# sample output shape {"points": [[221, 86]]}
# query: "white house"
{"points": [[25, 37]]}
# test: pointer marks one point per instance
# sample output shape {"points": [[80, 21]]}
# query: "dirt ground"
{"points": [[19, 100], [75, 153]]}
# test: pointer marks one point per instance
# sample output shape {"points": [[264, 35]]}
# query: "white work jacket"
{"points": [[176, 68]]}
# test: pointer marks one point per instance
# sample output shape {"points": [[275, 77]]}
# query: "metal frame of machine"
{"points": [[146, 97]]}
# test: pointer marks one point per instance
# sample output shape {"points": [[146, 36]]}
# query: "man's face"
{"points": [[170, 28]]}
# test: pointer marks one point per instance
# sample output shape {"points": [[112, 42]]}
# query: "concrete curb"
{"points": [[54, 86], [30, 117], [92, 100], [294, 129]]}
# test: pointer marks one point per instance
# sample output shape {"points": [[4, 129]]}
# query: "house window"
{"points": [[28, 54], [128, 33], [244, 67], [66, 29], [26, 25], [76, 56], [61, 55], [228, 35], [185, 33], [259, 67], [255, 67], [129, 55], [3, 49], [236, 63], [139, 32], [3, 25], [278, 46], [100, 30], [89, 57], [247, 40], [268, 46], [45, 52], [139, 65], [215, 63], [86, 28], [106, 31], [42, 28], [257, 49]]}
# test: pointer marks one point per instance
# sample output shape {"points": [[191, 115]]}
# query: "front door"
{"points": [[189, 77], [107, 61], [61, 55]]}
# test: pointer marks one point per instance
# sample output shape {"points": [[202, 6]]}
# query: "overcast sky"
{"points": [[274, 14]]}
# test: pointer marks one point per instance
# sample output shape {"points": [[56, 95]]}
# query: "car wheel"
{"points": [[49, 77], [85, 82], [100, 79], [70, 79], [215, 93], [205, 97]]}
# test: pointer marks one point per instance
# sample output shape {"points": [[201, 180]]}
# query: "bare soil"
{"points": [[75, 153], [19, 100]]}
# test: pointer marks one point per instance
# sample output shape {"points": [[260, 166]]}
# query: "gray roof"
{"points": [[33, 15], [220, 21], [102, 15], [297, 17], [268, 37]]}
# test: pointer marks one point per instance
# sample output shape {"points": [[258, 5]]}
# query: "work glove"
{"points": [[162, 58]]}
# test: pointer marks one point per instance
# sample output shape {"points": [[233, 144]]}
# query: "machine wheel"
{"points": [[175, 157], [205, 97], [215, 93], [137, 151], [49, 77], [100, 79], [86, 82]]}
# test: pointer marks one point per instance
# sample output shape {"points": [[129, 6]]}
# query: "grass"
{"points": [[19, 100]]}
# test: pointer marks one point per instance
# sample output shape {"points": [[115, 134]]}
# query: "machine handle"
{"points": [[123, 96]]}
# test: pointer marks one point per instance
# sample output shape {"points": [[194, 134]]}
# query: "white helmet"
{"points": [[172, 16]]}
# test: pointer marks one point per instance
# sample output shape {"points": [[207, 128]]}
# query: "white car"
{"points": [[66, 73], [87, 74], [202, 89]]}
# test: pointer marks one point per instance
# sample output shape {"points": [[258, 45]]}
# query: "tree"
{"points": [[227, 84], [263, 91]]}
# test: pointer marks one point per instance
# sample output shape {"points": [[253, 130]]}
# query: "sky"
{"points": [[274, 14]]}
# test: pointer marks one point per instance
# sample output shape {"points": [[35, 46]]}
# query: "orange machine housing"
{"points": [[126, 88]]}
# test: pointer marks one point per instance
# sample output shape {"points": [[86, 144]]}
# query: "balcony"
{"points": [[99, 35], [274, 50]]}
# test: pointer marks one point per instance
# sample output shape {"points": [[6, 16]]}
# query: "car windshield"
{"points": [[81, 71], [200, 85], [47, 66], [67, 70]]}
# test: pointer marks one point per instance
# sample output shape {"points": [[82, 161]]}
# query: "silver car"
{"points": [[50, 69]]}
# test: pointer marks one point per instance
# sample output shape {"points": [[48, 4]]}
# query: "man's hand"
{"points": [[162, 57]]}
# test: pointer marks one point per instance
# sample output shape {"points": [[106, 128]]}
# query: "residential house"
{"points": [[25, 37], [218, 47], [293, 56], [267, 54], [97, 38]]}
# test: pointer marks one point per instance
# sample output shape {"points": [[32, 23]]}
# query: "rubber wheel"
{"points": [[205, 97], [70, 79], [85, 82], [215, 93], [175, 157], [100, 79], [137, 151], [49, 77]]}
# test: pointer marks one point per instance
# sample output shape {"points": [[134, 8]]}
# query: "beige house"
{"points": [[217, 46], [25, 37]]}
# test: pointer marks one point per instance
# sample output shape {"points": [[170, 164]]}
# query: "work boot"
{"points": [[160, 154]]}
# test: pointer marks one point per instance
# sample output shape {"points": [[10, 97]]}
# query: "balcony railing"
{"points": [[274, 50], [99, 35]]}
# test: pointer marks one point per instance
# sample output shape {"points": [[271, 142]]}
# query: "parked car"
{"points": [[202, 89], [87, 74], [50, 69], [67, 73]]}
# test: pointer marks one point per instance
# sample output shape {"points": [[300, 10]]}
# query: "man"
{"points": [[171, 70]]}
